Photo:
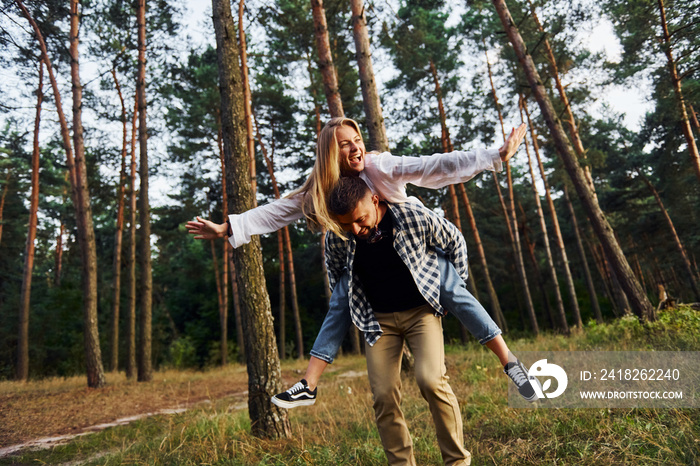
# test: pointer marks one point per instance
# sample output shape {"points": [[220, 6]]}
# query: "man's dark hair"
{"points": [[348, 192]]}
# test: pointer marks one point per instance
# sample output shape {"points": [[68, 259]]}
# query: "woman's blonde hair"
{"points": [[324, 176]]}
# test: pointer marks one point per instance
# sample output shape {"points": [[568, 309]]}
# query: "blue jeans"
{"points": [[454, 298]]}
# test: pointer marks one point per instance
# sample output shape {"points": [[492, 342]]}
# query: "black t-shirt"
{"points": [[386, 280]]}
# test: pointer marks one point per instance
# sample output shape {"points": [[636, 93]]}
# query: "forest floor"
{"points": [[213, 426], [51, 412], [60, 407]]}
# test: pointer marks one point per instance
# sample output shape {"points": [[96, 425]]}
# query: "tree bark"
{"points": [[290, 257], [447, 147], [568, 278], [693, 117], [533, 258], [282, 341], [520, 262], [370, 96], [229, 267], [2, 199], [86, 230], [496, 312], [79, 194], [638, 300], [582, 253], [571, 121], [118, 235], [497, 106], [293, 289], [677, 88], [145, 365], [131, 367], [247, 102], [58, 258], [23, 334], [222, 280], [262, 360], [223, 347], [335, 106], [561, 314], [677, 240], [510, 216], [325, 59]]}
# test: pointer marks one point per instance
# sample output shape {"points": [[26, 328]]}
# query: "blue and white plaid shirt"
{"points": [[417, 232]]}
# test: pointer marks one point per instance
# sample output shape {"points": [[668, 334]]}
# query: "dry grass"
{"points": [[59, 406], [339, 429]]}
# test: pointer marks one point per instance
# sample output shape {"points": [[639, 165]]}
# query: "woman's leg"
{"points": [[333, 330], [456, 299], [328, 341]]}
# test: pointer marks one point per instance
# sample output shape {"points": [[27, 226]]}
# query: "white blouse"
{"points": [[385, 174]]}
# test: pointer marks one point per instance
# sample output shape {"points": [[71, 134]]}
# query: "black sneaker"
{"points": [[518, 374], [298, 395]]}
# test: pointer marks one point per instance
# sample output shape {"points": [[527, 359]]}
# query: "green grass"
{"points": [[340, 428]]}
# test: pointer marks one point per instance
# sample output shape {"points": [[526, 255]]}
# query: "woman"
{"points": [[341, 152]]}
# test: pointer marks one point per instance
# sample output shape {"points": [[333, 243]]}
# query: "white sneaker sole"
{"points": [[291, 404]]}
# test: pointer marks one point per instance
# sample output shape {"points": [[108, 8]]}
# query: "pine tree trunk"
{"points": [[236, 297], [290, 257], [496, 312], [262, 360], [293, 289], [281, 340], [79, 193], [223, 314], [510, 215], [131, 367], [680, 100], [86, 230], [520, 262], [446, 144], [247, 102], [319, 125], [2, 199], [568, 278], [497, 106], [116, 284], [223, 303], [582, 253], [447, 147], [561, 314], [23, 335], [283, 298], [598, 261], [325, 59], [638, 300], [145, 367], [686, 262], [58, 258], [335, 106], [370, 96], [694, 118], [571, 121], [531, 252]]}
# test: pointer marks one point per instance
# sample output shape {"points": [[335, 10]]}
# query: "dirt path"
{"points": [[65, 407], [51, 412]]}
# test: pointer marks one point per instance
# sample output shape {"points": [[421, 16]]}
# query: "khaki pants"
{"points": [[423, 332]]}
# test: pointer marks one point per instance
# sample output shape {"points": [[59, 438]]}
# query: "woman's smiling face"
{"points": [[351, 150]]}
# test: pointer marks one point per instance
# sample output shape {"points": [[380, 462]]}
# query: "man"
{"points": [[394, 284]]}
